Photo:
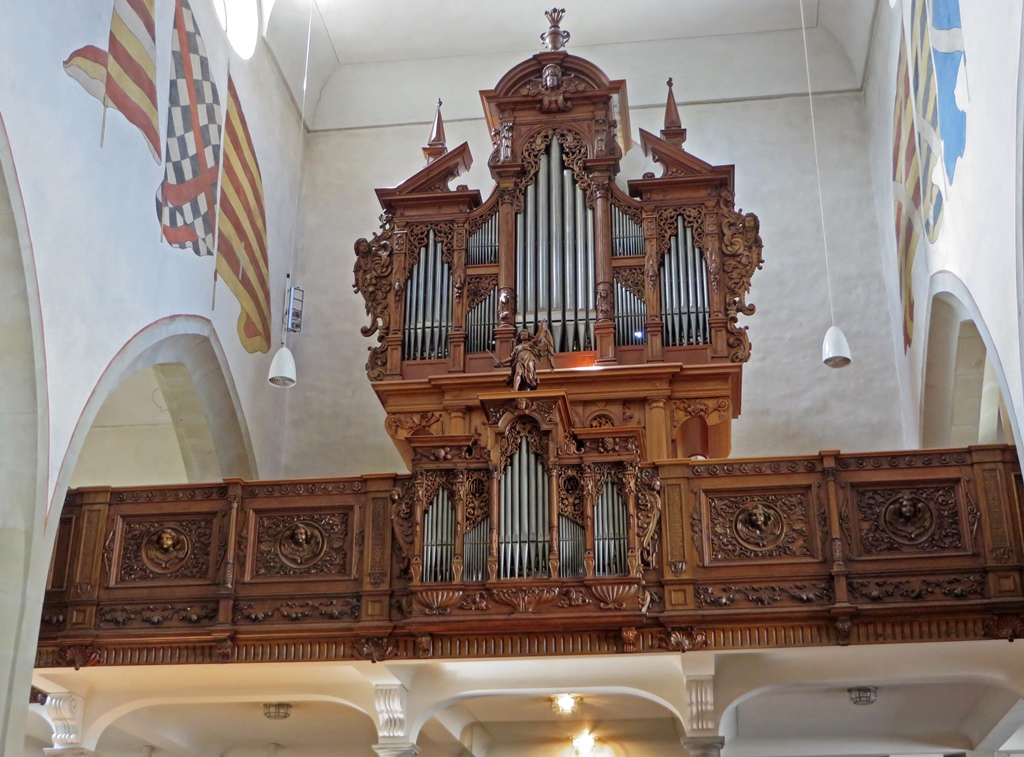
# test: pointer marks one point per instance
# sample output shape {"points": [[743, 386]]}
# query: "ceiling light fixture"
{"points": [[282, 367], [835, 350], [277, 710], [863, 694], [584, 744], [566, 704]]}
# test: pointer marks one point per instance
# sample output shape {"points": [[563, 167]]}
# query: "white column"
{"points": [[703, 746], [396, 750], [63, 711]]}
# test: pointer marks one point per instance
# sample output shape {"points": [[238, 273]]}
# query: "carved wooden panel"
{"points": [[913, 520], [303, 544], [756, 526], [174, 548]]}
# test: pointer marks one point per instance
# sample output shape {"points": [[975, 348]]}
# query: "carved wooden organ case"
{"points": [[639, 286]]}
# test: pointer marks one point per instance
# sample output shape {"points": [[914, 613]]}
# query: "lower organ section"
{"points": [[532, 535]]}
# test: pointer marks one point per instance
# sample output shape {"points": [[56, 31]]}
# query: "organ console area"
{"points": [[598, 513]]}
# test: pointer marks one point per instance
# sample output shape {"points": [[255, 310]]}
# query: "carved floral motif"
{"points": [[373, 273], [153, 615], [478, 288], [306, 544], [740, 255], [688, 639], [759, 526], [410, 424], [882, 590], [811, 592], [173, 550], [574, 153], [522, 599], [909, 519]]}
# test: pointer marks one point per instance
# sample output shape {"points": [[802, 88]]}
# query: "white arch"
{"points": [[436, 707], [947, 283], [24, 428], [189, 340], [94, 730]]}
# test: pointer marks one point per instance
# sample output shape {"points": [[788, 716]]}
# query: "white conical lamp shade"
{"points": [[835, 350], [282, 369]]}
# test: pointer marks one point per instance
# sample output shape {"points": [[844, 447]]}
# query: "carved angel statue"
{"points": [[529, 350], [165, 550]]}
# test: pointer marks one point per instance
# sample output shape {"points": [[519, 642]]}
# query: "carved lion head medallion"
{"points": [[301, 544], [165, 549], [908, 519], [759, 525]]}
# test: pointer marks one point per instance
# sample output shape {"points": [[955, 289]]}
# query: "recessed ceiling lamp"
{"points": [[277, 710], [566, 704], [282, 367], [835, 350], [584, 744], [863, 694]]}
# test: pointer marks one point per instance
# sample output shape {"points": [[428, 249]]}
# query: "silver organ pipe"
{"points": [[571, 546], [630, 316], [684, 291], [627, 235], [439, 539], [610, 532], [523, 508], [482, 245], [428, 305], [474, 549], [481, 322], [555, 256]]}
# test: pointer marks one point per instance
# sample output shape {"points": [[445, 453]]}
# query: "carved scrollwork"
{"points": [[437, 601], [574, 153], [373, 271], [153, 615], [522, 427], [341, 608], [79, 656], [570, 493], [632, 279], [648, 517], [615, 596], [759, 526], [573, 598], [410, 424], [478, 288], [711, 410], [1007, 627], [418, 237], [813, 592], [915, 589], [913, 519], [476, 601], [478, 499], [740, 256]]}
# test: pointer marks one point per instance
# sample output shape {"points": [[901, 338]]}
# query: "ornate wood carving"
{"points": [[306, 544], [811, 592], [341, 608], [916, 589], [524, 599], [574, 153], [378, 528], [508, 443], [410, 424], [688, 639], [760, 526], [156, 615], [478, 288], [178, 549], [918, 519], [373, 273], [648, 517]]}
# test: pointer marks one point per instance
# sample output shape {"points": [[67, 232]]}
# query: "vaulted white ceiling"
{"points": [[375, 64]]}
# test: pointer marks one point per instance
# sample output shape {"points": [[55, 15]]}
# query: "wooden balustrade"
{"points": [[826, 549]]}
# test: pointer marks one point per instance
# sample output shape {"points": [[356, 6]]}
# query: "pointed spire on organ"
{"points": [[673, 133], [435, 145]]}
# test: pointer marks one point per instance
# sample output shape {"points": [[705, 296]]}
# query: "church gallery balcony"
{"points": [[542, 543]]}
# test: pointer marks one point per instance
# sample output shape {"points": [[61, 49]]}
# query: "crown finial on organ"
{"points": [[435, 145], [673, 133], [554, 38]]}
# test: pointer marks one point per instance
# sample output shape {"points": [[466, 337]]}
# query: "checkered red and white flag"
{"points": [[185, 199]]}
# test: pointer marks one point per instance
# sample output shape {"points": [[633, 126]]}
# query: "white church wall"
{"points": [[976, 247], [792, 404], [104, 273]]}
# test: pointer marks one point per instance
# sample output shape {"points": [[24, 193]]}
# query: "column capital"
{"points": [[63, 711], [396, 750], [703, 746], [69, 751]]}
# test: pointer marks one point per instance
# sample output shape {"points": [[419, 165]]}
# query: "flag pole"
{"points": [[103, 121]]}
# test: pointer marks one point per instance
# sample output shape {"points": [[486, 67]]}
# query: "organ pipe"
{"points": [[610, 532], [439, 539], [481, 322], [555, 256], [627, 235], [475, 551], [428, 305], [630, 316], [572, 544], [684, 292], [523, 512], [482, 245]]}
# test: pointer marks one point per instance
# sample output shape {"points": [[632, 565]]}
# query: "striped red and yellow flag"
{"points": [[906, 185], [242, 230], [124, 75]]}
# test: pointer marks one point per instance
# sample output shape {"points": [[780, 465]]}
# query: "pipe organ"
{"points": [[596, 513]]}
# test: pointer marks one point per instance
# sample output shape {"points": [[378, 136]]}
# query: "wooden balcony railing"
{"points": [[827, 549]]}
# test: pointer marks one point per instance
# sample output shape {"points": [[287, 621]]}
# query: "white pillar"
{"points": [[389, 699], [704, 746], [396, 750]]}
